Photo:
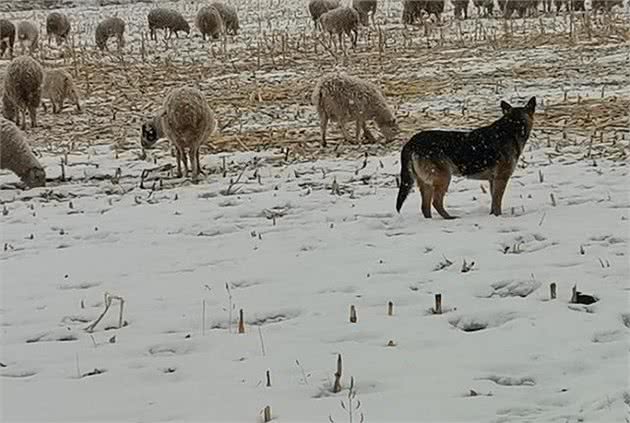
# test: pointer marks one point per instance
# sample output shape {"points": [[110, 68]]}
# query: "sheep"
{"points": [[23, 89], [209, 22], [57, 86], [318, 7], [605, 5], [168, 19], [229, 16], [487, 6], [341, 20], [7, 37], [16, 155], [412, 10], [461, 8], [343, 98], [365, 7], [28, 33], [57, 25], [110, 27], [187, 121]]}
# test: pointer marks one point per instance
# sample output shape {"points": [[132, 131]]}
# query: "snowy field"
{"points": [[294, 235]]}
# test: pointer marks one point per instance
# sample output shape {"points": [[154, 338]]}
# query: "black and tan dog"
{"points": [[489, 153]]}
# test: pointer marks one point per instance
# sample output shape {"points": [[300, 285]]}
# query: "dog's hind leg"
{"points": [[426, 191], [440, 187]]}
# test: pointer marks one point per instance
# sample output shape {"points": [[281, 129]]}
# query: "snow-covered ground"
{"points": [[297, 245]]}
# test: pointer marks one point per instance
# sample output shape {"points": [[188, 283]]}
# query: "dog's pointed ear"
{"points": [[531, 106], [505, 106]]}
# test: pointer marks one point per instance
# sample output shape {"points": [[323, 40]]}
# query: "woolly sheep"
{"points": [[209, 22], [412, 9], [57, 86], [16, 155], [318, 7], [229, 16], [108, 28], [7, 37], [342, 20], [28, 34], [365, 7], [461, 8], [487, 6], [605, 5], [57, 25], [342, 98], [187, 121], [168, 19], [23, 89]]}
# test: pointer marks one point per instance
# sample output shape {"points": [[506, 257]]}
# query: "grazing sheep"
{"points": [[17, 155], [170, 20], [110, 27], [57, 86], [342, 98], [605, 5], [187, 121], [28, 33], [57, 25], [318, 7], [7, 37], [412, 10], [229, 16], [365, 7], [209, 22], [486, 5], [341, 20], [461, 8], [23, 89]]}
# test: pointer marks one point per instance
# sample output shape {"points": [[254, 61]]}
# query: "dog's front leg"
{"points": [[497, 187]]}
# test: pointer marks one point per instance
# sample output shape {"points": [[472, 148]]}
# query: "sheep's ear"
{"points": [[505, 106], [531, 106]]}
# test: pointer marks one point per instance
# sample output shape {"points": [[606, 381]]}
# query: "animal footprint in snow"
{"points": [[482, 320], [527, 243], [512, 288]]}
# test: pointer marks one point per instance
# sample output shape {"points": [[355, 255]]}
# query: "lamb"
{"points": [[16, 155], [110, 27], [57, 86], [28, 33], [168, 19], [7, 37], [209, 22], [605, 5], [229, 16], [365, 7], [57, 25], [342, 20], [343, 98], [318, 7], [187, 121], [23, 89]]}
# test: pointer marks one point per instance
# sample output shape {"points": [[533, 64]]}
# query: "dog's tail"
{"points": [[406, 178]]}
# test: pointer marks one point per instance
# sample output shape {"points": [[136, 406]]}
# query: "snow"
{"points": [[501, 350]]}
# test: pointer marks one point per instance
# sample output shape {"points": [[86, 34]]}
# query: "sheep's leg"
{"points": [[359, 125], [323, 125], [75, 99], [185, 161], [61, 101], [344, 130], [356, 37], [368, 135], [32, 111], [44, 106], [194, 163], [178, 153]]}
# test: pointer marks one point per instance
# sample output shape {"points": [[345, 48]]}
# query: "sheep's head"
{"points": [[35, 177], [389, 128], [150, 134]]}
